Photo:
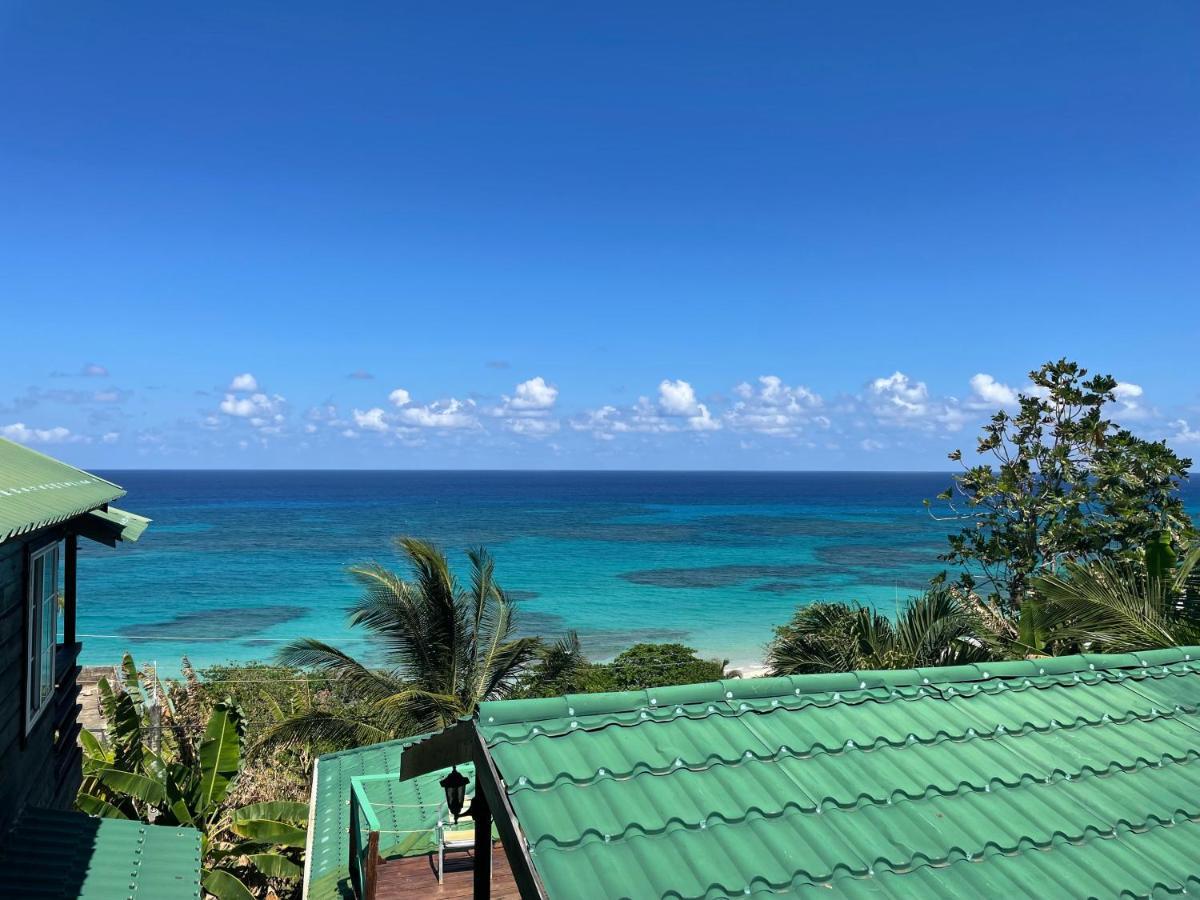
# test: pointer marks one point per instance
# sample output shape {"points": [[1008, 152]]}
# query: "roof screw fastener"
{"points": [[729, 695], [862, 684]]}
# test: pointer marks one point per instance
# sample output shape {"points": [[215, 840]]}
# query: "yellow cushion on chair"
{"points": [[458, 835]]}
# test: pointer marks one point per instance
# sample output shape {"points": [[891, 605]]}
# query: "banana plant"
{"points": [[180, 782]]}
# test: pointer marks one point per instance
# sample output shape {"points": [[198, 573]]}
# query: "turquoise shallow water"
{"points": [[236, 562]]}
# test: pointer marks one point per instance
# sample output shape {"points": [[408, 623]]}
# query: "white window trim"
{"points": [[33, 636]]}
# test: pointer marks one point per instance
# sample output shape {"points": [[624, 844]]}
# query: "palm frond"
{"points": [[322, 729], [309, 653]]}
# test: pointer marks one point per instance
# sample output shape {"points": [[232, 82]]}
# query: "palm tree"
{"points": [[1119, 605], [447, 647], [934, 629]]}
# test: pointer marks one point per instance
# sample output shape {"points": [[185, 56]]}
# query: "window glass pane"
{"points": [[49, 622], [36, 592], [43, 627]]}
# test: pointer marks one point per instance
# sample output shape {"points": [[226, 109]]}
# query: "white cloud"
{"points": [[675, 410], [677, 398], [1128, 398], [528, 410], [775, 408], [1184, 433], [899, 401], [23, 434], [899, 396], [702, 421], [871, 445], [94, 370], [371, 420], [450, 414], [987, 391], [533, 427], [258, 406], [243, 382], [534, 394], [111, 437], [400, 397], [602, 423]]}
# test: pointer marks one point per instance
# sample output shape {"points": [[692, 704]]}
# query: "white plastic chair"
{"points": [[453, 837]]}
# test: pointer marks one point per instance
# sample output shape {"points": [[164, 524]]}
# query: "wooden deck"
{"points": [[416, 876]]}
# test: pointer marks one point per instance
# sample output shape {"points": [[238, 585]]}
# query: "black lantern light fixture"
{"points": [[455, 786]]}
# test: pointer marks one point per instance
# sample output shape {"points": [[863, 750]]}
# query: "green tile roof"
{"points": [[1071, 776], [407, 811], [37, 490], [56, 854]]}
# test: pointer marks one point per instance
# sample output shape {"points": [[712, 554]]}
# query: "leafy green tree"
{"points": [[562, 668], [156, 770], [1120, 605], [1064, 484], [659, 665], [447, 648], [935, 629]]}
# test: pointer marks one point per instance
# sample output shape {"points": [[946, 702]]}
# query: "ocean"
{"points": [[237, 562]]}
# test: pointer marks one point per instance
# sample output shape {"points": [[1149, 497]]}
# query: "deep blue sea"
{"points": [[236, 562]]}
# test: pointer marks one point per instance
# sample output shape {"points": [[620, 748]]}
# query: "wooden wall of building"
{"points": [[41, 769]]}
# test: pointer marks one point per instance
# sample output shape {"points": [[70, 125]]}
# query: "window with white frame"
{"points": [[43, 630]]}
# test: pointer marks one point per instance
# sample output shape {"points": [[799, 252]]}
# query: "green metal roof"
{"points": [[1074, 776], [36, 490], [407, 811], [111, 525], [51, 853]]}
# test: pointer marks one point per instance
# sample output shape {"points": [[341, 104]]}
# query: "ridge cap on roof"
{"points": [[503, 712]]}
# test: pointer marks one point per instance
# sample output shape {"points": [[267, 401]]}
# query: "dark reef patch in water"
{"points": [[799, 526], [522, 595], [725, 576], [229, 622], [881, 556], [779, 587]]}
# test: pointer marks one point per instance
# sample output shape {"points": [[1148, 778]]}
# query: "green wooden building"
{"points": [[46, 850]]}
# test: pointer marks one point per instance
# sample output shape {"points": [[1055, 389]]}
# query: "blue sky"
{"points": [[608, 235]]}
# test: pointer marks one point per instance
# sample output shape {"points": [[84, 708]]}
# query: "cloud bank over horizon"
{"points": [[886, 421]]}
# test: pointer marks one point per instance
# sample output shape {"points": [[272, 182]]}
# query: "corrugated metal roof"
{"points": [[37, 490], [112, 525], [57, 854], [407, 811], [1075, 776]]}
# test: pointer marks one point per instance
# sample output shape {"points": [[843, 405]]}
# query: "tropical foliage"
{"points": [[934, 629], [562, 668], [1121, 605], [445, 648], [156, 768], [1063, 485]]}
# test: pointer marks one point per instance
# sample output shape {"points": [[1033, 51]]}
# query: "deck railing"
{"points": [[364, 841]]}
